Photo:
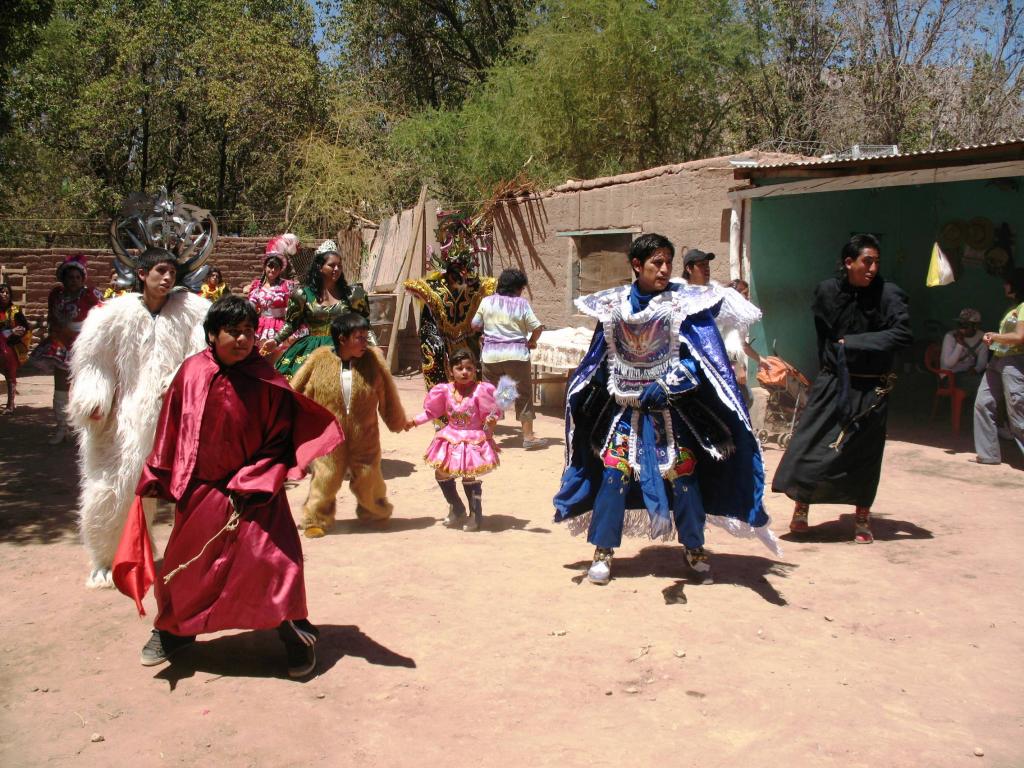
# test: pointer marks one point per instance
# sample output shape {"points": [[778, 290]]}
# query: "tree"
{"points": [[422, 53], [20, 28], [797, 45], [596, 87], [202, 96], [917, 73], [345, 170]]}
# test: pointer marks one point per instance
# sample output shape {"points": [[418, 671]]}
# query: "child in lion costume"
{"points": [[353, 382]]}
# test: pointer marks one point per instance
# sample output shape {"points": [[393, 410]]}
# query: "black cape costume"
{"points": [[835, 455]]}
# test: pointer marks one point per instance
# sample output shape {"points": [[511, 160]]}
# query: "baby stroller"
{"points": [[787, 396]]}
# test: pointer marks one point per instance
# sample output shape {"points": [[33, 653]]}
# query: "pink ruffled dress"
{"points": [[463, 447], [270, 301]]}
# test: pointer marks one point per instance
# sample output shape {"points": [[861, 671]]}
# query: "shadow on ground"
{"points": [[47, 513], [516, 441], [841, 530], [748, 571], [392, 468], [394, 525], [499, 523], [261, 654]]}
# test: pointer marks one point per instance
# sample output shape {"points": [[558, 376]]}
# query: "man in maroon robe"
{"points": [[231, 430]]}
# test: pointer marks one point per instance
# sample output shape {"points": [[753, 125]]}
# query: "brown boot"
{"points": [[862, 525], [799, 522]]}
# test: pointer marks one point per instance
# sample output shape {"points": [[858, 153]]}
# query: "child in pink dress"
{"points": [[464, 446]]}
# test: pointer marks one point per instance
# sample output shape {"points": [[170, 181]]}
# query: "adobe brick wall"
{"points": [[687, 206], [239, 258]]}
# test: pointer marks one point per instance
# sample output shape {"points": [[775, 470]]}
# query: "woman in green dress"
{"points": [[324, 296]]}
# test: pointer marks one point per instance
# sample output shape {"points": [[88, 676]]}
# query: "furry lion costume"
{"points": [[373, 391]]}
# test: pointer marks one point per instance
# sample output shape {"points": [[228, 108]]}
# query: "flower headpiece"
{"points": [[283, 247], [186, 232]]}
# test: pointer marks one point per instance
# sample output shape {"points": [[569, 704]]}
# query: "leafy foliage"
{"points": [[422, 53], [271, 115], [596, 87], [203, 96]]}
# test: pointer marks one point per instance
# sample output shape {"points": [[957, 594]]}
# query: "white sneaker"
{"points": [[601, 570], [698, 561], [58, 436]]}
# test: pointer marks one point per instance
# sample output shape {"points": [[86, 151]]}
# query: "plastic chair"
{"points": [[945, 387]]}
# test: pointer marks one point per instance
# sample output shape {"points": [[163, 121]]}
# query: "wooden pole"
{"points": [[417, 234]]}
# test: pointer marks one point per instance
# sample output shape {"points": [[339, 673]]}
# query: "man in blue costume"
{"points": [[657, 434]]}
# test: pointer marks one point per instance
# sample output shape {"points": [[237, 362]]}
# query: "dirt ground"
{"points": [[450, 648]]}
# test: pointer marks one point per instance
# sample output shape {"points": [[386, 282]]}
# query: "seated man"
{"points": [[963, 352]]}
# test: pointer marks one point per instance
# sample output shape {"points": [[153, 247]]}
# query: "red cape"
{"points": [[171, 464]]}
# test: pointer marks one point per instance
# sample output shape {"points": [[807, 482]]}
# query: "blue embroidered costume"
{"points": [[655, 425]]}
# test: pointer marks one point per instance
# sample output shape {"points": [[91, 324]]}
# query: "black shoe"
{"points": [[161, 646], [299, 638], [474, 492], [301, 659]]}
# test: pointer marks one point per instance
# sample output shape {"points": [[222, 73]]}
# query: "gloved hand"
{"points": [[653, 397]]}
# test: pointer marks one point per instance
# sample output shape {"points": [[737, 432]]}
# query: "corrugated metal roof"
{"points": [[720, 162], [923, 153]]}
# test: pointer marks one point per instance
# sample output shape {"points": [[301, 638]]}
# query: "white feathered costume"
{"points": [[121, 365], [735, 316]]}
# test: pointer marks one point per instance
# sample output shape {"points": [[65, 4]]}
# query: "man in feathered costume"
{"points": [[126, 357], [352, 381], [658, 439], [450, 296]]}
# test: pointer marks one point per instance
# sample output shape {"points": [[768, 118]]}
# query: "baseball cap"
{"points": [[694, 255], [969, 315]]}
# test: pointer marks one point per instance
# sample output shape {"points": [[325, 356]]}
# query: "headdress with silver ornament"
{"points": [[166, 223]]}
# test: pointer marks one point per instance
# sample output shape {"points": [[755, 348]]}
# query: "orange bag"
{"points": [[778, 373]]}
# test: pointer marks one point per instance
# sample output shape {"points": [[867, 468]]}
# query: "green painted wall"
{"points": [[796, 240]]}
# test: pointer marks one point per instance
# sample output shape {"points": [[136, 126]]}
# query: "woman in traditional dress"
{"points": [[835, 455], [325, 296], [67, 307], [1004, 377], [269, 293], [14, 340]]}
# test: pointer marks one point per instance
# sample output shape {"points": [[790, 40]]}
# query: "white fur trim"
{"points": [[123, 362]]}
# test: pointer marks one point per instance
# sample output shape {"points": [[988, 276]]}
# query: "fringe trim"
{"points": [[462, 472], [637, 524], [744, 530], [467, 441], [428, 294]]}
